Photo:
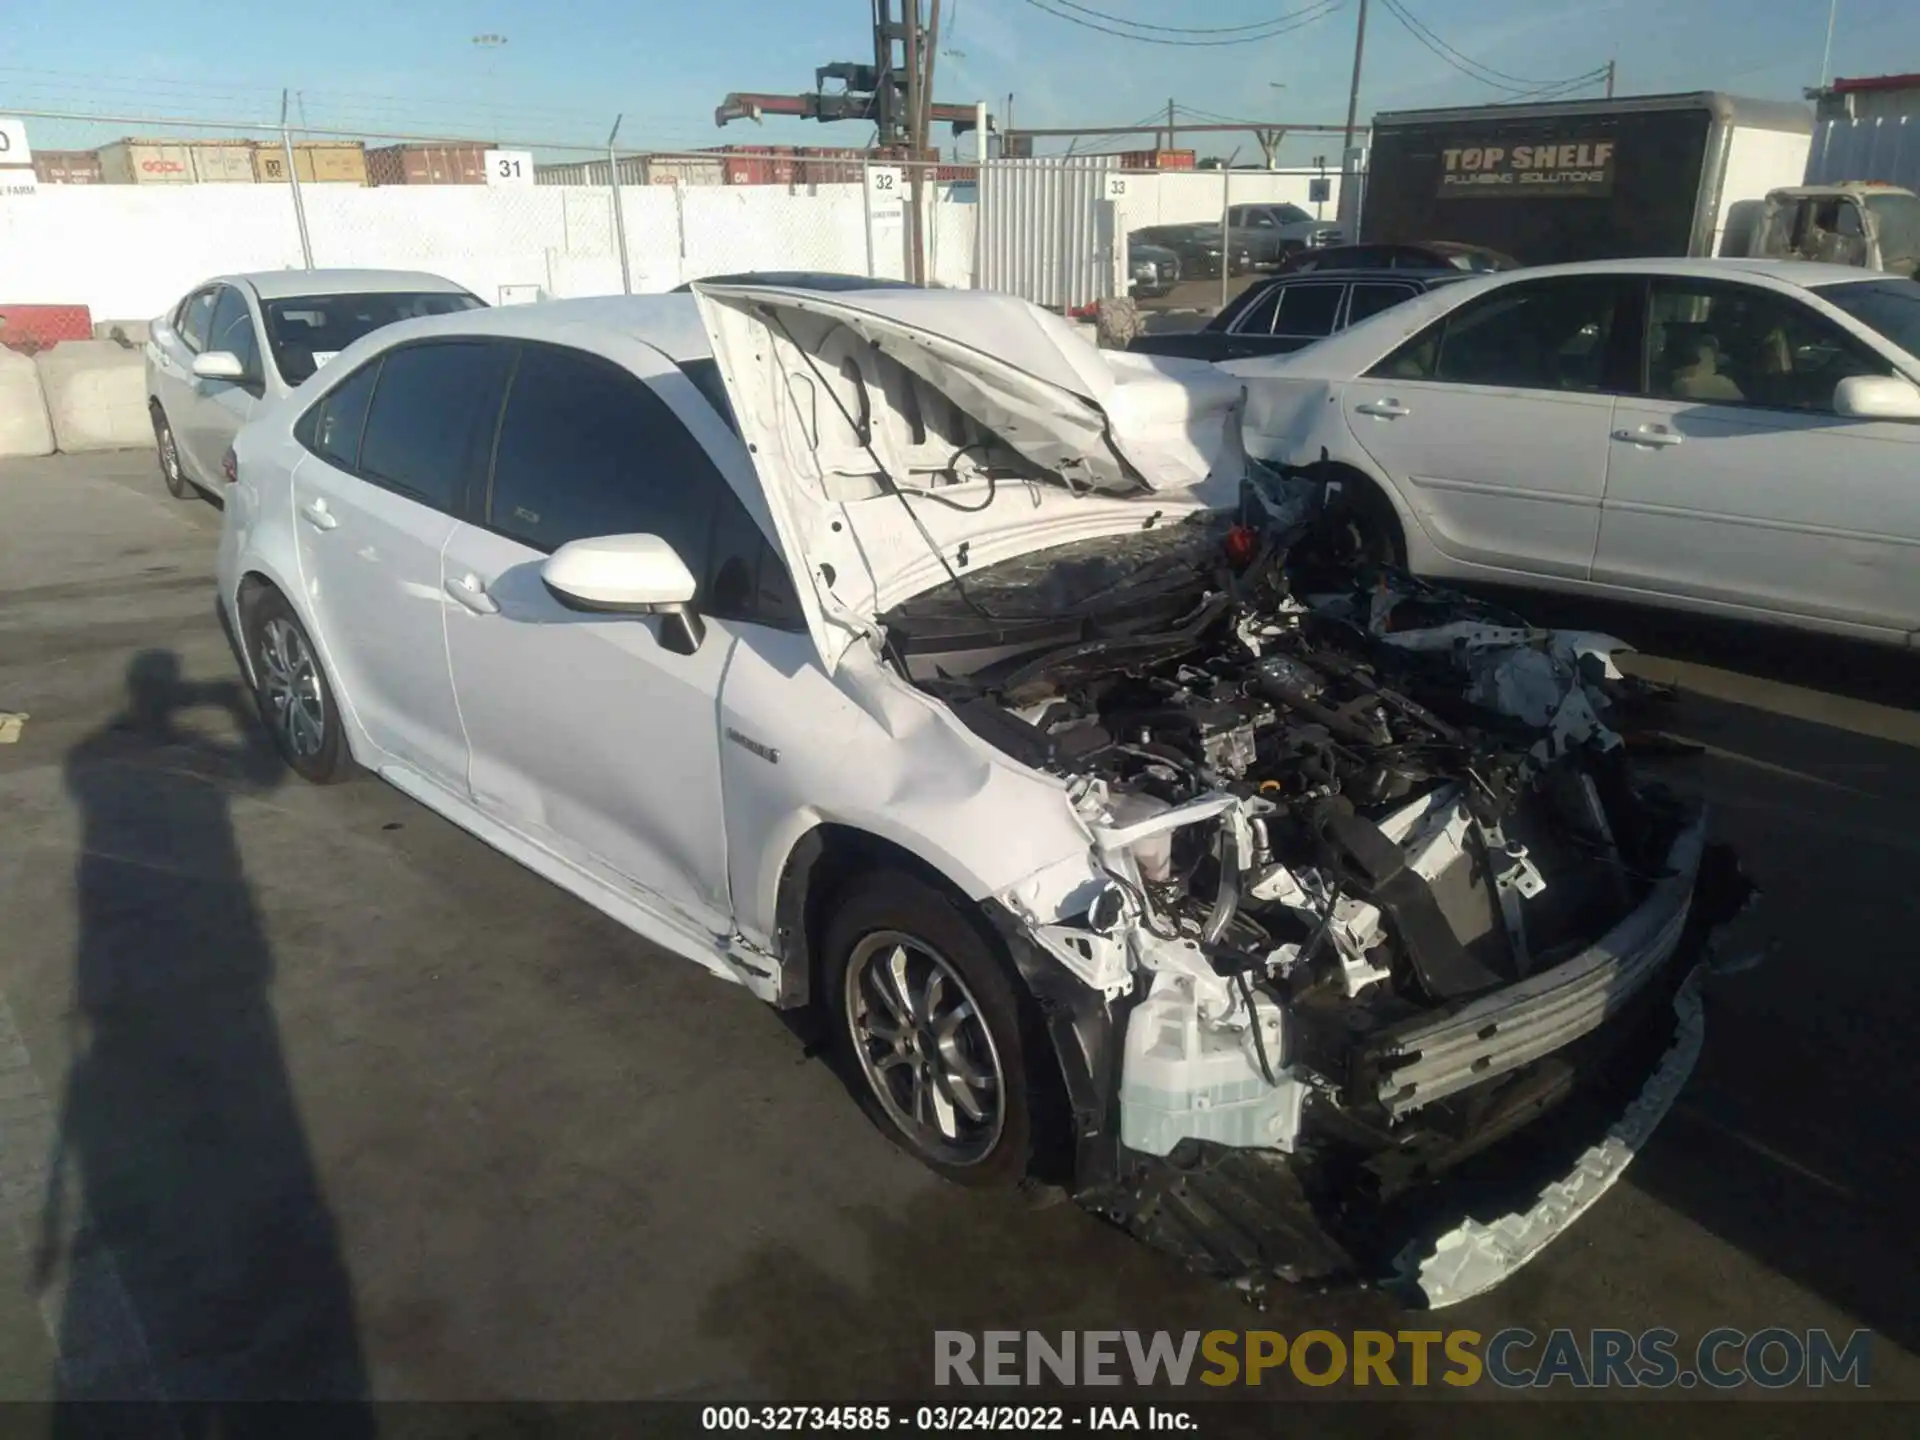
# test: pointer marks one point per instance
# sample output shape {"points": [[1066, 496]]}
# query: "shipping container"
{"points": [[1158, 159], [679, 170], [758, 164], [831, 165], [333, 162], [460, 164], [67, 167], [146, 162], [222, 162]]}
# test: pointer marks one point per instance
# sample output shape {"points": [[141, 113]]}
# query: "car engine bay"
{"points": [[1334, 805]]}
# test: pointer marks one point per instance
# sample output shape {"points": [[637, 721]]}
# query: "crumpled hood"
{"points": [[903, 436]]}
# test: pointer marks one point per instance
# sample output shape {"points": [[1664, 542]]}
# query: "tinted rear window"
{"points": [[307, 332]]}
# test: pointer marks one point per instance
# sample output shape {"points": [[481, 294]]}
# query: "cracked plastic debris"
{"points": [[1474, 1257]]}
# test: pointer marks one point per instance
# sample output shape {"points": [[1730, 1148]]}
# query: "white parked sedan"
{"points": [[239, 341], [900, 656], [1733, 437]]}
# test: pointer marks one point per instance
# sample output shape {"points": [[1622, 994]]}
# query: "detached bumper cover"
{"points": [[1476, 1256]]}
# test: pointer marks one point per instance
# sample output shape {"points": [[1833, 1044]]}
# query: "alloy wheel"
{"points": [[170, 470], [290, 680], [924, 1047]]}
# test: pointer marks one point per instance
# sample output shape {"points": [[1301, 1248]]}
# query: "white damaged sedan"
{"points": [[901, 657]]}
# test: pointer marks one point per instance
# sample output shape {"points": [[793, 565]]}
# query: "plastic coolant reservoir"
{"points": [[1181, 1079]]}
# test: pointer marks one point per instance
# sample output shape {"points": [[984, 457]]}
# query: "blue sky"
{"points": [[567, 69]]}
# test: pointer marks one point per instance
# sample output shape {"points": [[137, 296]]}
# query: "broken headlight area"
{"points": [[1381, 888]]}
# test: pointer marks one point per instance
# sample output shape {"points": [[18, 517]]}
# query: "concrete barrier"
{"points": [[96, 395], [24, 426]]}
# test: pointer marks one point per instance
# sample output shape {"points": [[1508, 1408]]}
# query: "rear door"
{"points": [[1493, 421], [1732, 479], [394, 450], [587, 733], [216, 409]]}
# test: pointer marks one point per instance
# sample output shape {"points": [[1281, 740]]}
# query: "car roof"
{"points": [[1374, 273], [829, 280], [670, 323], [1800, 274], [302, 284]]}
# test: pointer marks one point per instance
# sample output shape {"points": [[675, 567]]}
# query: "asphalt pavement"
{"points": [[306, 1092]]}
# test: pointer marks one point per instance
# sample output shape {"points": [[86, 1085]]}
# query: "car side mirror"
{"points": [[219, 365], [628, 575], [1877, 397]]}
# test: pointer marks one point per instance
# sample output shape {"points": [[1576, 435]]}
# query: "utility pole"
{"points": [[922, 135], [1169, 122], [909, 232], [1826, 55], [1610, 68], [1353, 91]]}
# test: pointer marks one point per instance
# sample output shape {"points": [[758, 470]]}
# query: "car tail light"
{"points": [[229, 466]]}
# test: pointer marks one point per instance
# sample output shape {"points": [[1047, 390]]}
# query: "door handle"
{"points": [[1654, 435], [471, 593], [316, 514], [1385, 409]]}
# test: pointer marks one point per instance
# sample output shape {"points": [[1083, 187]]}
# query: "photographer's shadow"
{"points": [[184, 1230]]}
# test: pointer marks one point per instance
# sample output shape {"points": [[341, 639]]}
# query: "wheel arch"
{"points": [[832, 854], [1375, 489]]}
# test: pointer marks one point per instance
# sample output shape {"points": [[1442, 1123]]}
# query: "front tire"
{"points": [[171, 469], [296, 702], [926, 1027]]}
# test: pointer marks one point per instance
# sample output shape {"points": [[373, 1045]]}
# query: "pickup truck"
{"points": [[1270, 234], [1873, 226]]}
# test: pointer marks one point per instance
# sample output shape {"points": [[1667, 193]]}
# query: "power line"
{"points": [[1514, 85], [1177, 29], [1281, 24]]}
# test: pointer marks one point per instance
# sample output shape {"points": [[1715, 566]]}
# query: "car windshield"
{"points": [[1290, 214], [306, 332], [1899, 217], [1891, 307]]}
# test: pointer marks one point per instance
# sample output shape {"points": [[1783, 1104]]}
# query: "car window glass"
{"points": [[305, 332], [1738, 345], [332, 428], [1257, 318], [1307, 310], [429, 416], [1290, 214], [1370, 298], [195, 318], [1260, 219], [588, 449], [1539, 337], [232, 330]]}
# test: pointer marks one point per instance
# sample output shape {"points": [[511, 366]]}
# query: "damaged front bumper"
{"points": [[1430, 1166]]}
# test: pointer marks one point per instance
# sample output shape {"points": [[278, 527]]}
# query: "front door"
{"points": [[589, 733], [1492, 422], [218, 408], [393, 450], [1733, 480]]}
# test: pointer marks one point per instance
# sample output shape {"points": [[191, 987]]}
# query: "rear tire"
{"points": [[171, 469], [926, 1028], [296, 701]]}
